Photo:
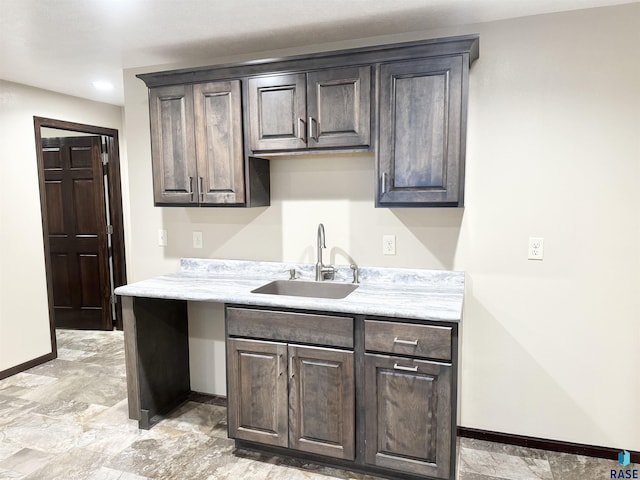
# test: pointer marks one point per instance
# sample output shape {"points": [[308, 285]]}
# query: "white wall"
{"points": [[550, 349], [24, 315]]}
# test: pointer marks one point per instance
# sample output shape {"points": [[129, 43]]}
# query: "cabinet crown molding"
{"points": [[465, 44]]}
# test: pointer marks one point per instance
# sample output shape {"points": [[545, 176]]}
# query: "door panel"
{"points": [[321, 401], [277, 112], [408, 415], [420, 96], [220, 158], [339, 103], [257, 396], [172, 145], [75, 205]]}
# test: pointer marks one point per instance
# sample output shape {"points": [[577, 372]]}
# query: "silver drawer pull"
{"points": [[407, 369], [406, 342]]}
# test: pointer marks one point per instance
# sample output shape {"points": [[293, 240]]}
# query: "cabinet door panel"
{"points": [[218, 118], [172, 144], [257, 396], [419, 155], [408, 415], [277, 111], [321, 401], [339, 106]]}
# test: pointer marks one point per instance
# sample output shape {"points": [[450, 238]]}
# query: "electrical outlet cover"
{"points": [[536, 248], [388, 244]]}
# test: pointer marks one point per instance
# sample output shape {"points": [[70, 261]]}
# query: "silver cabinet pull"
{"points": [[301, 130], [201, 189], [383, 187], [191, 187], [406, 369], [406, 342], [313, 132], [291, 373]]}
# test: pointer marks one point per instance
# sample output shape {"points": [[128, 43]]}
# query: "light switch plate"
{"points": [[197, 239], [162, 238]]}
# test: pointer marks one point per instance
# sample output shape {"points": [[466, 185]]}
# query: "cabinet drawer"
{"points": [[408, 339], [290, 326]]}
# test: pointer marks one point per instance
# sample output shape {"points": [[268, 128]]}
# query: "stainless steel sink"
{"points": [[298, 288]]}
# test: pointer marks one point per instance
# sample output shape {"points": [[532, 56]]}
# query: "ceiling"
{"points": [[65, 45]]}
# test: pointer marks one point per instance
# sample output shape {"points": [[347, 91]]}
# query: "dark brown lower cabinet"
{"points": [[257, 391], [318, 413], [408, 415], [322, 401], [295, 379]]}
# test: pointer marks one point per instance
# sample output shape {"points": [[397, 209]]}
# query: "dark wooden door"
{"points": [[257, 391], [277, 112], [75, 204], [421, 127], [173, 149], [408, 415], [218, 136], [338, 107], [321, 401]]}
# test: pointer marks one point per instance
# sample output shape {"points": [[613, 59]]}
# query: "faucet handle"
{"points": [[356, 273], [292, 274]]}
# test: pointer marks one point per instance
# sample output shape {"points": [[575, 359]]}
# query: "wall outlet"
{"points": [[536, 248], [388, 244], [162, 238], [197, 239]]}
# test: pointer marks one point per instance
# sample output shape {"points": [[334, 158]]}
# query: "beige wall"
{"points": [[24, 316], [550, 349]]}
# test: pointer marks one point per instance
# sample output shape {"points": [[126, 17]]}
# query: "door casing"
{"points": [[112, 171]]}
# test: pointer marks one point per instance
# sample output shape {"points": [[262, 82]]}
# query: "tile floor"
{"points": [[67, 419]]}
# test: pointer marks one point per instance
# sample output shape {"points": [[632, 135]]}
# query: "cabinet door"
{"points": [[339, 107], [422, 124], [277, 108], [172, 147], [218, 119], [408, 415], [321, 401], [257, 396]]}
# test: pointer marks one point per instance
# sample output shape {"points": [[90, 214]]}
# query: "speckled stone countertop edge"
{"points": [[435, 295]]}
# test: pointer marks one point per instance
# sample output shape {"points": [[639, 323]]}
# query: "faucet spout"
{"points": [[321, 270]]}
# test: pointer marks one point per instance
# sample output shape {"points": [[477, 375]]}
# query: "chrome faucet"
{"points": [[322, 271]]}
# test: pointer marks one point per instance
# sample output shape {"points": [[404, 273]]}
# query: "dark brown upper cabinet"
{"points": [[318, 109], [422, 122], [197, 144], [406, 101]]}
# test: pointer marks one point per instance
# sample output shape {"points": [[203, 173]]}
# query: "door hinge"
{"points": [[109, 229], [105, 158], [113, 300]]}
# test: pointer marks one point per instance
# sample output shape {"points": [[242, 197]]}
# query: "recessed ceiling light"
{"points": [[102, 85]]}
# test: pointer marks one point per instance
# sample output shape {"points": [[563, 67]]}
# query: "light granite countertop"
{"points": [[394, 292]]}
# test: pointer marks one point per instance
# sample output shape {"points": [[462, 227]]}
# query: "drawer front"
{"points": [[426, 341], [290, 326]]}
